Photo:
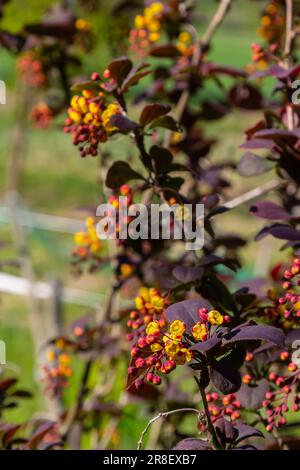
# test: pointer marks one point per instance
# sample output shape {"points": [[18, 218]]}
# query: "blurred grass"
{"points": [[56, 180]]}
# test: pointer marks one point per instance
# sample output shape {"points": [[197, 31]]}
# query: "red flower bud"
{"points": [[95, 76], [156, 380]]}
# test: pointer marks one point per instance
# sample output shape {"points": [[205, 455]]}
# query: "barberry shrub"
{"points": [[187, 315]]}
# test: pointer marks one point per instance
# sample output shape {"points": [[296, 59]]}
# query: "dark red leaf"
{"points": [[152, 112], [165, 51], [119, 69]]}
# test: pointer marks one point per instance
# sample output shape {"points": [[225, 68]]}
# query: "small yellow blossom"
{"points": [[152, 328], [199, 331], [215, 317], [177, 328]]}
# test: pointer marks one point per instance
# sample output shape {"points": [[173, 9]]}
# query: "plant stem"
{"points": [[210, 425], [164, 415]]}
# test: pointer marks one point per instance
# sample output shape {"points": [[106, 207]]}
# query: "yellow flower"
{"points": [[88, 93], [110, 111], [155, 347], [83, 105], [154, 37], [126, 269], [74, 115], [172, 348], [74, 103], [82, 25], [157, 302], [199, 332], [96, 246], [265, 21], [64, 359], [81, 239], [94, 108], [152, 328], [139, 303], [183, 356], [215, 318], [154, 26], [51, 356], [144, 292], [184, 36], [156, 8], [177, 328], [139, 21]]}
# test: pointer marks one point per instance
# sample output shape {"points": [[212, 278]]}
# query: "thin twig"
{"points": [[289, 36], [164, 415], [75, 411], [252, 194], [216, 21]]}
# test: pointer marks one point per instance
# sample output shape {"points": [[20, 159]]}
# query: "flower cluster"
{"points": [[272, 22], [228, 406], [159, 351], [89, 121], [147, 30], [185, 44], [41, 116], [31, 70], [150, 305], [58, 371], [261, 56], [286, 310], [284, 395], [88, 243], [201, 330], [125, 191]]}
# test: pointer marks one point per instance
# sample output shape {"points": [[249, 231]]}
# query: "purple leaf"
{"points": [[225, 378], [283, 232], [255, 333], [258, 144], [192, 444], [205, 346], [251, 396], [123, 123], [252, 165], [292, 336], [186, 311], [269, 210], [225, 431], [244, 432], [186, 274]]}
